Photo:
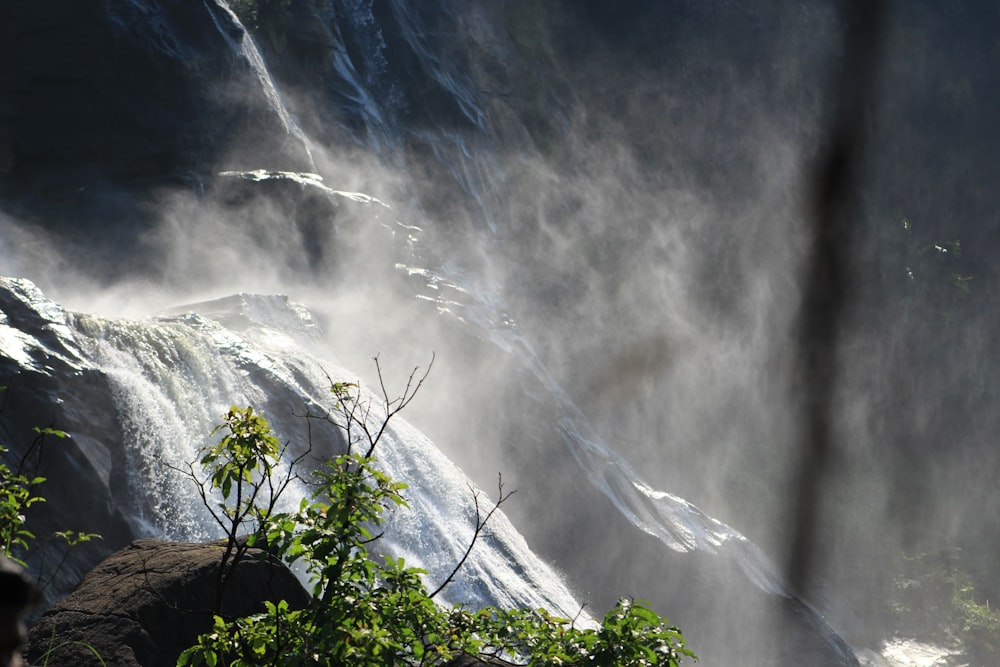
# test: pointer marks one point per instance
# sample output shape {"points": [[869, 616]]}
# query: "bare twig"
{"points": [[480, 525], [394, 406]]}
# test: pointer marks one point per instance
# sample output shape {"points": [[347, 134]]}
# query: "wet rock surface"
{"points": [[108, 104], [900, 652], [50, 385]]}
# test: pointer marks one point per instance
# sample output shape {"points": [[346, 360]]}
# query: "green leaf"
{"points": [[54, 432]]}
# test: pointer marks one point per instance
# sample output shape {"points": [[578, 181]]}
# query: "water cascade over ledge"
{"points": [[170, 379]]}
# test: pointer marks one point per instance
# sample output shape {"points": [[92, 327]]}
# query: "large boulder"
{"points": [[148, 602]]}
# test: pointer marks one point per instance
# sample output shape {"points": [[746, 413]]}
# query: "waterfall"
{"points": [[173, 376], [594, 221]]}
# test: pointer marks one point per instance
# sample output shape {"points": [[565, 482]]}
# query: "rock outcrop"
{"points": [[50, 384], [148, 602], [53, 377]]}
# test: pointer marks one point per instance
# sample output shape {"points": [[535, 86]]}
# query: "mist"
{"points": [[621, 198]]}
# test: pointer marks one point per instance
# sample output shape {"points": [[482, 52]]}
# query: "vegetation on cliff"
{"points": [[18, 493]]}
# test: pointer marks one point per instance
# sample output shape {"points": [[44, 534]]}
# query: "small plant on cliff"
{"points": [[18, 495], [242, 468], [265, 18], [373, 611]]}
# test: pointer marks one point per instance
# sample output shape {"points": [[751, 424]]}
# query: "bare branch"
{"points": [[576, 618], [480, 525], [373, 538], [200, 485], [409, 392], [381, 381]]}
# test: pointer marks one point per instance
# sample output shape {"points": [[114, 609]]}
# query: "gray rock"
{"points": [[148, 602], [49, 384]]}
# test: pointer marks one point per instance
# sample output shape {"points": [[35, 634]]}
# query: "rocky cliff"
{"points": [[110, 104]]}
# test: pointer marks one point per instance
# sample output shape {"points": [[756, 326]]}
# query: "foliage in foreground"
{"points": [[18, 493], [375, 610], [936, 598], [16, 496]]}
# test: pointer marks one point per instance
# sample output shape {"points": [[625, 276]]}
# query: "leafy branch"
{"points": [[18, 494], [242, 468], [376, 611]]}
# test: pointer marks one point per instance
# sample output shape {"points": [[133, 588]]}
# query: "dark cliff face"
{"points": [[104, 104], [54, 388], [107, 103]]}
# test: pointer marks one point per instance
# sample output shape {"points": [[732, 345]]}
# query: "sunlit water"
{"points": [[174, 376]]}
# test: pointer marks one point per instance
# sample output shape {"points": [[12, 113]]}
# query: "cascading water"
{"points": [[678, 524], [481, 312], [173, 376], [454, 293]]}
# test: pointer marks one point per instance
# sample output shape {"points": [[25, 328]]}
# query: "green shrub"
{"points": [[377, 611], [935, 598], [17, 496]]}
